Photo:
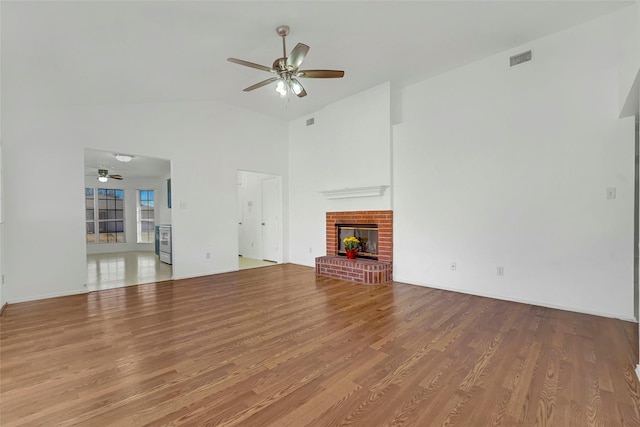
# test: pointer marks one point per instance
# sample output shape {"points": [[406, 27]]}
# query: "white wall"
{"points": [[131, 187], [206, 142], [250, 200], [348, 146], [636, 290], [627, 48], [638, 219], [2, 293], [498, 166]]}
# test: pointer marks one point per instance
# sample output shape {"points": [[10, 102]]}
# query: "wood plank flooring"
{"points": [[278, 346]]}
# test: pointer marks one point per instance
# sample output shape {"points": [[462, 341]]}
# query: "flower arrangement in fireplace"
{"points": [[351, 243]]}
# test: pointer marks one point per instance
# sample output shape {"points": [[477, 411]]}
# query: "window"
{"points": [[106, 223], [90, 209], [146, 216]]}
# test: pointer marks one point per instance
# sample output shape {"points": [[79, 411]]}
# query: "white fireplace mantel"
{"points": [[346, 193]]}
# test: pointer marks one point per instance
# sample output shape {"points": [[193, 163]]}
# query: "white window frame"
{"points": [[96, 216]]}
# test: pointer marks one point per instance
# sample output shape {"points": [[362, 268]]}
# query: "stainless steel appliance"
{"points": [[165, 243]]}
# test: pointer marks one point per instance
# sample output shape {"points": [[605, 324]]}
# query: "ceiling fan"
{"points": [[103, 175], [286, 69]]}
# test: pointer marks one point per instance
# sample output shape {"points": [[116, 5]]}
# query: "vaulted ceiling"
{"points": [[88, 53]]}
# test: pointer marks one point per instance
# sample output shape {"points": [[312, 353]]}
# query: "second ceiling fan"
{"points": [[103, 175], [286, 69]]}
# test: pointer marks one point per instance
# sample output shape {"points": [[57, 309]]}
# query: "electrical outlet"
{"points": [[611, 193], [500, 270], [310, 250], [452, 266], [208, 255]]}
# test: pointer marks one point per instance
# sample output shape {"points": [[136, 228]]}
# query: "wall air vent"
{"points": [[520, 58], [311, 121]]}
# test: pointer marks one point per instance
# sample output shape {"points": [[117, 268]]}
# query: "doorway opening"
{"points": [[125, 203], [260, 230]]}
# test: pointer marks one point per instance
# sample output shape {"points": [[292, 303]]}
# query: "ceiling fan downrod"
{"points": [[283, 31]]}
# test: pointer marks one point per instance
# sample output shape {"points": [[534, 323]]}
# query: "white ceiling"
{"points": [[138, 167], [87, 53]]}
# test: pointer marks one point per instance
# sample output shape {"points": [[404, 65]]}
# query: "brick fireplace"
{"points": [[359, 270]]}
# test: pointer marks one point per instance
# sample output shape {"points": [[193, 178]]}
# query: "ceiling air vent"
{"points": [[311, 121], [520, 58]]}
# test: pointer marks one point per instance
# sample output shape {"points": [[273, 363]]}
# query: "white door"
{"points": [[241, 237], [271, 219]]}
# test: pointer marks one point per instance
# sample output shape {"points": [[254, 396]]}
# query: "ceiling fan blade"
{"points": [[262, 83], [116, 177], [297, 55], [320, 74], [297, 88], [250, 64]]}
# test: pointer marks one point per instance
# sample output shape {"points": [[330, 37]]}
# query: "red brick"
{"points": [[383, 218], [359, 270]]}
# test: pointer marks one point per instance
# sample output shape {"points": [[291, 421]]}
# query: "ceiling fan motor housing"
{"points": [[280, 65]]}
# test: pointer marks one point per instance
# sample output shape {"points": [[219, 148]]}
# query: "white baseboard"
{"points": [[46, 296], [203, 274], [638, 371], [522, 301]]}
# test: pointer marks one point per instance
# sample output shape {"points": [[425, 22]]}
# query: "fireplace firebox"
{"points": [[367, 234]]}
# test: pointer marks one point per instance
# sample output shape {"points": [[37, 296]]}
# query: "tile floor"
{"points": [[116, 270], [119, 269], [245, 263]]}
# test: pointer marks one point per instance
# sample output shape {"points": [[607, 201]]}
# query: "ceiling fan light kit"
{"points": [[286, 69]]}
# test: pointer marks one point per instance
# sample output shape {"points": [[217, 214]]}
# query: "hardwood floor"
{"points": [[279, 346]]}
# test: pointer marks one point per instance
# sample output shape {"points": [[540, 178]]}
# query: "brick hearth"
{"points": [[359, 270]]}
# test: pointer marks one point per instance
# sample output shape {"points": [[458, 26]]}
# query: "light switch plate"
{"points": [[611, 193]]}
